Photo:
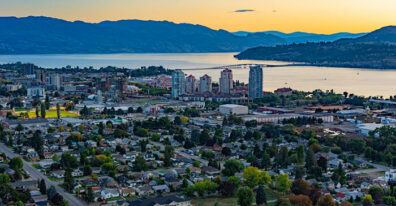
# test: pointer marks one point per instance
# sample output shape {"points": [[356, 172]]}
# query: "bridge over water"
{"points": [[234, 66]]}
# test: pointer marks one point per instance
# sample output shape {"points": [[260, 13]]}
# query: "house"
{"points": [[161, 189], [109, 193], [46, 163], [77, 173], [168, 200], [33, 155], [209, 170], [58, 174], [127, 192], [21, 185], [144, 190]]}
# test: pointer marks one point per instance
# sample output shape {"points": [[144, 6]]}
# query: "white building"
{"points": [[36, 92], [233, 109], [390, 175], [205, 84], [226, 81]]}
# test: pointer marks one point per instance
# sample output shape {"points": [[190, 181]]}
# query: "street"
{"points": [[35, 174]]}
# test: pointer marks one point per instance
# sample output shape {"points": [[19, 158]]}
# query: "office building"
{"points": [[226, 81], [55, 80], [178, 83], [255, 82], [191, 84], [205, 84]]}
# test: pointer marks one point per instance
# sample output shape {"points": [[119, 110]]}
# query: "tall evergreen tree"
{"points": [[43, 187], [58, 111], [261, 196], [42, 111]]}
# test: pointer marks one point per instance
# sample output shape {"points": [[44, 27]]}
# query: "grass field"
{"points": [[229, 201], [212, 201], [51, 114]]}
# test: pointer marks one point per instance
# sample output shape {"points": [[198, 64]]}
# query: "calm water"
{"points": [[358, 81]]}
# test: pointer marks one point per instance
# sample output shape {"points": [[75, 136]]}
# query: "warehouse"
{"points": [[233, 109]]}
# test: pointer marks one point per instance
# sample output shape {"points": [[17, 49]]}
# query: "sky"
{"points": [[317, 16]]}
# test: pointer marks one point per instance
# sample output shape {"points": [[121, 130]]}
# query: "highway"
{"points": [[35, 174]]}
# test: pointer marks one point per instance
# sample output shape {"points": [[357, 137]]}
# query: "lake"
{"points": [[367, 82]]}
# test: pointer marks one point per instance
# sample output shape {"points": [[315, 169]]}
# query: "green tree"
{"points": [[43, 187], [16, 163], [300, 154], [68, 180], [245, 196], [283, 182], [139, 164], [254, 176], [367, 200], [42, 110], [261, 196], [231, 167], [4, 178], [169, 152], [90, 195], [58, 111]]}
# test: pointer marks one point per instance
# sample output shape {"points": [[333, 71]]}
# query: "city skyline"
{"points": [[325, 16]]}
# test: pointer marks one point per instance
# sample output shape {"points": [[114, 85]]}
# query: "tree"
{"points": [[245, 196], [322, 163], [58, 111], [300, 187], [254, 176], [231, 167], [346, 203], [283, 202], [19, 128], [16, 163], [227, 188], [139, 164], [377, 194], [326, 200], [43, 187], [283, 182], [169, 152], [90, 195], [37, 143], [266, 161], [310, 161], [68, 180], [236, 181], [141, 132], [42, 110], [300, 154], [282, 158], [300, 200], [261, 196], [367, 200], [4, 178], [226, 151]]}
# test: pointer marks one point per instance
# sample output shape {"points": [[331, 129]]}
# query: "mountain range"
{"points": [[303, 37], [45, 35], [373, 50]]}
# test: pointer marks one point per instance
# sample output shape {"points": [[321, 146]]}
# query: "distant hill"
{"points": [[44, 35], [373, 50], [303, 37]]}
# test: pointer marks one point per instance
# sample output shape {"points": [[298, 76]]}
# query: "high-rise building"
{"points": [[226, 81], [255, 82], [55, 80], [178, 83], [205, 84], [191, 84]]}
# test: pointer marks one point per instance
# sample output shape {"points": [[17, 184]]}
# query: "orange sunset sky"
{"points": [[318, 16]]}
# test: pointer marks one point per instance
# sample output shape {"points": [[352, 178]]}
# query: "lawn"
{"points": [[52, 114], [225, 201], [221, 201], [55, 179]]}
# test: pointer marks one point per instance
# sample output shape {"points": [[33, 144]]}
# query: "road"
{"points": [[35, 174], [378, 167]]}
